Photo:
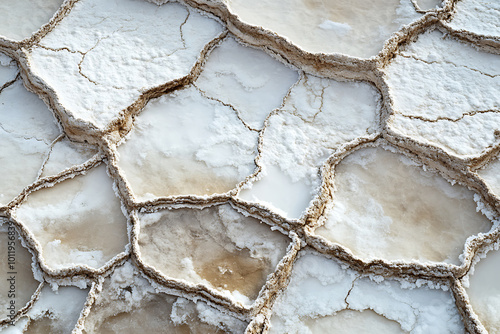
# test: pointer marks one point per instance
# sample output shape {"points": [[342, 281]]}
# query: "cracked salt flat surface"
{"points": [[422, 217], [478, 16], [247, 79], [129, 304], [24, 17], [216, 246], [27, 129], [356, 28], [318, 116], [184, 143], [320, 287], [77, 222], [268, 139], [444, 92], [91, 46]]}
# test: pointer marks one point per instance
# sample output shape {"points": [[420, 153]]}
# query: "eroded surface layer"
{"points": [[386, 206], [23, 17], [184, 143], [320, 290], [216, 246], [128, 304], [107, 53], [249, 80], [318, 116], [78, 221], [356, 28], [484, 291], [445, 93], [16, 279], [478, 16]]}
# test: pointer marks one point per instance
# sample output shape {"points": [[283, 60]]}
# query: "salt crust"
{"points": [[53, 312], [490, 174], [77, 222], [216, 247], [423, 218], [33, 144], [339, 27], [429, 4], [355, 28], [107, 53], [483, 289], [248, 79], [318, 116], [444, 93], [320, 287], [477, 16], [25, 16], [184, 143], [128, 303]]}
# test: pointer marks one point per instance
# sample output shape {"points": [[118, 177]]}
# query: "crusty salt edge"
{"points": [[7, 44], [91, 299], [266, 294], [333, 66]]}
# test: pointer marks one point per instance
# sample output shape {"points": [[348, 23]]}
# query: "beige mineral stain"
{"points": [[234, 271], [484, 291], [214, 246], [357, 28], [350, 321], [129, 304], [24, 284], [152, 316], [78, 221], [21, 18], [387, 207], [174, 176]]}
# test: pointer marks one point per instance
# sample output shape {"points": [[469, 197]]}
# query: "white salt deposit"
{"points": [[385, 206], [108, 52], [320, 290], [318, 116], [21, 18], [184, 143], [357, 28]]}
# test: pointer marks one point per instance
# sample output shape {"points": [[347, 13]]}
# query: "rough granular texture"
{"points": [[230, 166]]}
